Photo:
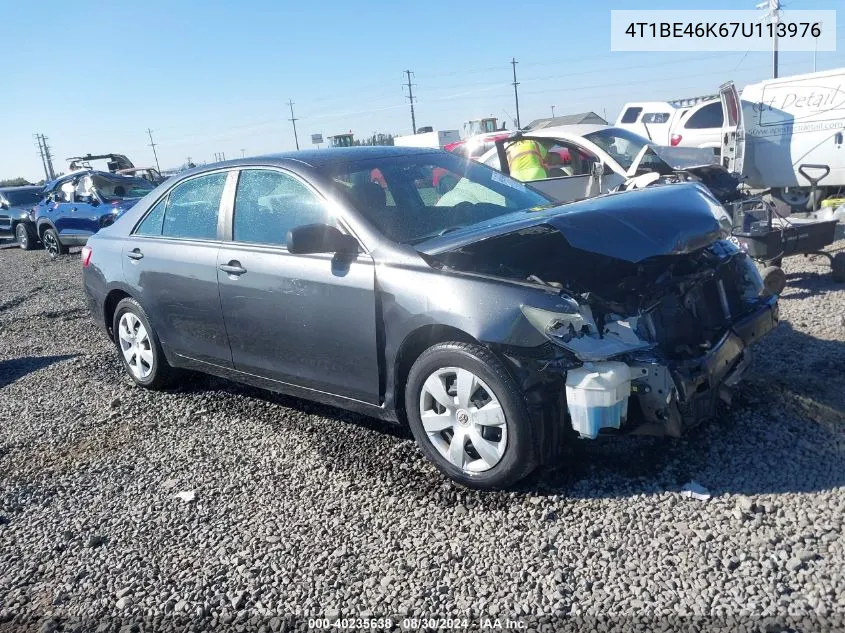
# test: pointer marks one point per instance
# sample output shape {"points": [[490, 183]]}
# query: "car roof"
{"points": [[321, 157]]}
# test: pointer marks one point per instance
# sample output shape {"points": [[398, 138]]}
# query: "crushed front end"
{"points": [[654, 347], [654, 313]]}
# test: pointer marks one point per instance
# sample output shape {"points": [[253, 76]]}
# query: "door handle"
{"points": [[233, 268], [135, 254], [72, 209]]}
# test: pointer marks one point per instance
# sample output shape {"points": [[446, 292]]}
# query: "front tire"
{"points": [[24, 237], [52, 244], [469, 417], [139, 346]]}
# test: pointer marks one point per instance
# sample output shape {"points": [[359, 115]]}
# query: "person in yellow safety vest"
{"points": [[526, 160]]}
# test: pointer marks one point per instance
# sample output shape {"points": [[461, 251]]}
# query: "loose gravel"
{"points": [[223, 507]]}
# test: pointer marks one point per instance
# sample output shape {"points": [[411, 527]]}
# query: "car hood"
{"points": [[631, 225]]}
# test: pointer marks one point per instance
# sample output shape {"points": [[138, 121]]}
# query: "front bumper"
{"points": [[695, 387]]}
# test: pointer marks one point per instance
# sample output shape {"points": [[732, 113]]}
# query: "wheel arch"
{"points": [[113, 297], [414, 344], [42, 225]]}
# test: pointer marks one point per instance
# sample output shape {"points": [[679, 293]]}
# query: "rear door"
{"points": [[733, 132], [170, 260], [306, 320]]}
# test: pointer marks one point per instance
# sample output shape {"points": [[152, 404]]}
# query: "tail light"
{"points": [[676, 140], [87, 251]]}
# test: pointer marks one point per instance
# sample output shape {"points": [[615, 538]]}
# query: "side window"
{"points": [[151, 225], [631, 115], [269, 203], [192, 208], [707, 117], [656, 117]]}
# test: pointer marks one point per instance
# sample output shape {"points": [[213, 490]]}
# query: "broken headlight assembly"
{"points": [[579, 333]]}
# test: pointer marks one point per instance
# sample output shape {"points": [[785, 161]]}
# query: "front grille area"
{"points": [[686, 326]]}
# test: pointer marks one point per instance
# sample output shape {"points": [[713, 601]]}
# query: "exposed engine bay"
{"points": [[669, 331]]}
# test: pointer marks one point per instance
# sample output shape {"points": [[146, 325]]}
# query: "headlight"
{"points": [[563, 326], [577, 332]]}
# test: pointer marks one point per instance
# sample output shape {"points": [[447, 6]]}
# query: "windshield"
{"points": [[413, 198], [622, 145], [21, 197], [113, 188]]}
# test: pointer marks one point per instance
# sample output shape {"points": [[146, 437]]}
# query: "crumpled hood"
{"points": [[631, 225]]}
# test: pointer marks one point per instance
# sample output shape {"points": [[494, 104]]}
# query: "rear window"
{"points": [[656, 117], [631, 115], [710, 116]]}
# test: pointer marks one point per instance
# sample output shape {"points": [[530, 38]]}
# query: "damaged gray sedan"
{"points": [[419, 288]]}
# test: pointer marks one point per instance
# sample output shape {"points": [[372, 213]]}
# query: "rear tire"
{"points": [[477, 429], [139, 347], [52, 244], [24, 237]]}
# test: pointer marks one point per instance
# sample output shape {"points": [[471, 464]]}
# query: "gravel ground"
{"points": [[302, 509]]}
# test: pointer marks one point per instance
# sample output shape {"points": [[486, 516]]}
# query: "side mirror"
{"points": [[4, 204], [94, 201], [320, 238]]}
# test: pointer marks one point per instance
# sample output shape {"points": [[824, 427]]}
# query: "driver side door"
{"points": [[303, 320]]}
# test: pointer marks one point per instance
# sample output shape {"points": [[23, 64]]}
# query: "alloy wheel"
{"points": [[51, 244], [136, 346], [463, 419], [22, 235]]}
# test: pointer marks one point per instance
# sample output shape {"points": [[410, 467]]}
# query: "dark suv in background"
{"points": [[16, 203]]}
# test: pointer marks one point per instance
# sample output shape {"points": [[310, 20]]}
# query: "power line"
{"points": [[293, 120], [410, 98], [153, 145], [515, 92]]}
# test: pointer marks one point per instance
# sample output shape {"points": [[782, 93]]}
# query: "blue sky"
{"points": [[215, 76]]}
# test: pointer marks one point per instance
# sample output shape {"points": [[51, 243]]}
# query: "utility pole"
{"points": [[293, 120], [515, 92], [410, 98], [49, 158], [43, 160], [772, 12], [243, 152], [153, 145], [553, 112]]}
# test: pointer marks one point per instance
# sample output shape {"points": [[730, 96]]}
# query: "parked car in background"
{"points": [[494, 322], [698, 126], [147, 173], [676, 125], [601, 158], [16, 204], [77, 205]]}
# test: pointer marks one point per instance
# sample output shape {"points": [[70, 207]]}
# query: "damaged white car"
{"points": [[583, 161]]}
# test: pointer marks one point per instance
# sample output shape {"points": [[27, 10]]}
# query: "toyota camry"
{"points": [[495, 323]]}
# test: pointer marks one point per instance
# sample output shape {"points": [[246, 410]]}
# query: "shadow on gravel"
{"points": [[199, 383], [12, 370], [811, 283], [784, 434]]}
